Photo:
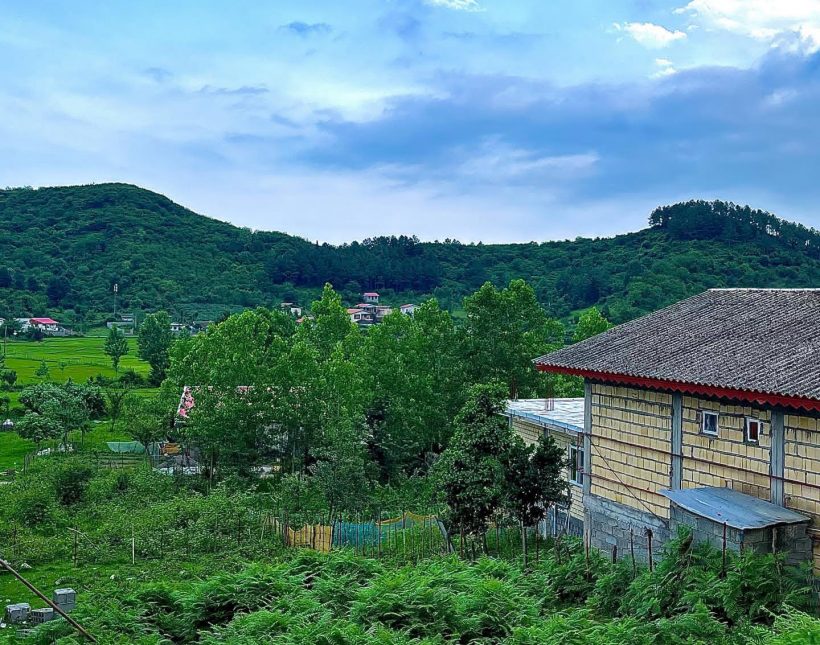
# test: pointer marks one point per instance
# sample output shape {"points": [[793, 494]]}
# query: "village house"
{"points": [[48, 326], [408, 310], [371, 297], [705, 414]]}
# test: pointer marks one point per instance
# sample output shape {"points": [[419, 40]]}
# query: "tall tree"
{"points": [[505, 330], [154, 342], [144, 420], [590, 323], [472, 468], [116, 346]]}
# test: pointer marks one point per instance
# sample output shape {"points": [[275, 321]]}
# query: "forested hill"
{"points": [[62, 249]]}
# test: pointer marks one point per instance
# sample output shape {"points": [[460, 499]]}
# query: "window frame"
{"points": [[709, 413], [578, 452], [746, 437]]}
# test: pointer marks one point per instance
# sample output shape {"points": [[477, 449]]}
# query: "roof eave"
{"points": [[761, 398]]}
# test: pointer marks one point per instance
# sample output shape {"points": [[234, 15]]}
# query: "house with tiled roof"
{"points": [[705, 414]]}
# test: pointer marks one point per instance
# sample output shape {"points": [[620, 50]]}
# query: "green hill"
{"points": [[62, 249]]}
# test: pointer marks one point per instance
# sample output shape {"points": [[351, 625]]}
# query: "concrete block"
{"points": [[18, 612], [42, 615], [66, 599]]}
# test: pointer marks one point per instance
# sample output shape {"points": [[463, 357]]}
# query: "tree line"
{"points": [[62, 250]]}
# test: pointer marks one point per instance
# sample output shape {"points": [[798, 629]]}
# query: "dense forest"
{"points": [[62, 250]]}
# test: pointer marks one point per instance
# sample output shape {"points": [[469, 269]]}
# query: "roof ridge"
{"points": [[765, 289]]}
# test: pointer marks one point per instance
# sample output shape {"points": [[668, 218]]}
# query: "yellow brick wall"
{"points": [[802, 471], [631, 437], [726, 460], [530, 433]]}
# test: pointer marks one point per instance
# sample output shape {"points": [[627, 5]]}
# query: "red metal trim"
{"points": [[761, 398]]}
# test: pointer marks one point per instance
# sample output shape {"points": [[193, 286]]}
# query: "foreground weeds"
{"points": [[567, 598]]}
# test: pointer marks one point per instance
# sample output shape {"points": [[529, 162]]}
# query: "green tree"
{"points": [[42, 371], [590, 323], [38, 428], [116, 399], [144, 420], [116, 346], [505, 330], [414, 383], [534, 481], [154, 341], [472, 468]]}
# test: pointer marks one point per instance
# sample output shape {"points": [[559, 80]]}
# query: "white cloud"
{"points": [[650, 35], [792, 23], [458, 5], [664, 67], [497, 162]]}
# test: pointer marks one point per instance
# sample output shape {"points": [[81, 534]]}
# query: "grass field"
{"points": [[75, 358]]}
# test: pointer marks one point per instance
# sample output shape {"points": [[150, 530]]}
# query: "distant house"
{"points": [[408, 310], [177, 327], [382, 311], [292, 309], [126, 322], [360, 316], [371, 297], [47, 326], [704, 414]]}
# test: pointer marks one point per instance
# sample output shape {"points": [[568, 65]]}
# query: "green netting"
{"points": [[126, 446]]}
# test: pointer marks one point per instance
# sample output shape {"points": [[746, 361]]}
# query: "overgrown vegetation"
{"points": [[566, 597]]}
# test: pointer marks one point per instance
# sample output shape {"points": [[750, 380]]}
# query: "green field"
{"points": [[77, 358]]}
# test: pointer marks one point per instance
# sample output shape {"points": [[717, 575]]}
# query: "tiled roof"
{"points": [[757, 340]]}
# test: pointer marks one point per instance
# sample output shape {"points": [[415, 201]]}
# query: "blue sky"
{"points": [[494, 120]]}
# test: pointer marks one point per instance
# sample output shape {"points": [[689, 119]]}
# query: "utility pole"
{"points": [[116, 289]]}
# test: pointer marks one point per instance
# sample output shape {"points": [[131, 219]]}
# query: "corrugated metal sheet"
{"points": [[737, 510]]}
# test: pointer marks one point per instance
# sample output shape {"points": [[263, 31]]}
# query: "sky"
{"points": [[492, 120]]}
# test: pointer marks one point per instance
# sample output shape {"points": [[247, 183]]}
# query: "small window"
{"points": [[752, 430], [709, 423], [576, 465]]}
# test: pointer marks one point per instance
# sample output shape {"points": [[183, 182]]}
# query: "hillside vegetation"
{"points": [[62, 249]]}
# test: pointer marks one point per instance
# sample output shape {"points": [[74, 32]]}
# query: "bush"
{"points": [[71, 481]]}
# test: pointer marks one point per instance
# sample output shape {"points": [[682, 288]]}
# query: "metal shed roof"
{"points": [[736, 509], [567, 414]]}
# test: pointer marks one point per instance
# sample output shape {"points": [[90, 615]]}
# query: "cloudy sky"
{"points": [[499, 120]]}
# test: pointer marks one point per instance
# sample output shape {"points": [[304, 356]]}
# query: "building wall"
{"points": [[801, 471], [726, 460], [530, 432], [631, 447], [792, 538]]}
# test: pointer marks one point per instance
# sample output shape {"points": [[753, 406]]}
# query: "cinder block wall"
{"points": [[792, 539]]}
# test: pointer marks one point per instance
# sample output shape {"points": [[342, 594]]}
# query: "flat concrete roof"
{"points": [[567, 414], [736, 509]]}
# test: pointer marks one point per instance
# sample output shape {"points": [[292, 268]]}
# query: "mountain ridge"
{"points": [[63, 248]]}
